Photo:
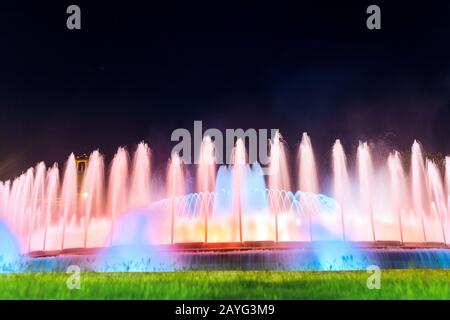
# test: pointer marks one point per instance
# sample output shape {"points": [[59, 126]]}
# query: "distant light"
{"points": [[84, 195]]}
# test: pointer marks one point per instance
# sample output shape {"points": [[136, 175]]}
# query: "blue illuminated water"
{"points": [[9, 249]]}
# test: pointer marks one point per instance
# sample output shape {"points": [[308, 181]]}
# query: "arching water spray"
{"points": [[175, 188], [140, 177], [206, 178], [92, 194], [239, 166], [397, 188], [418, 184], [118, 199], [69, 196], [341, 183], [278, 179], [365, 177]]}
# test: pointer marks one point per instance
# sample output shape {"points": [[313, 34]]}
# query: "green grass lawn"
{"points": [[395, 284]]}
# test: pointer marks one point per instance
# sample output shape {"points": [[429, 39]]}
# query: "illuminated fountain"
{"points": [[239, 205]]}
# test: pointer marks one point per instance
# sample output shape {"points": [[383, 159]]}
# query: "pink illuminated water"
{"points": [[206, 180], [368, 201], [341, 182], [308, 181], [140, 177], [175, 190], [279, 179], [366, 184], [118, 197]]}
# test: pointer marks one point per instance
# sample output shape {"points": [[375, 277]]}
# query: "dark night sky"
{"points": [[137, 71]]}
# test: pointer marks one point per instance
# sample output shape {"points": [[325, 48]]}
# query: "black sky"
{"points": [[138, 70]]}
